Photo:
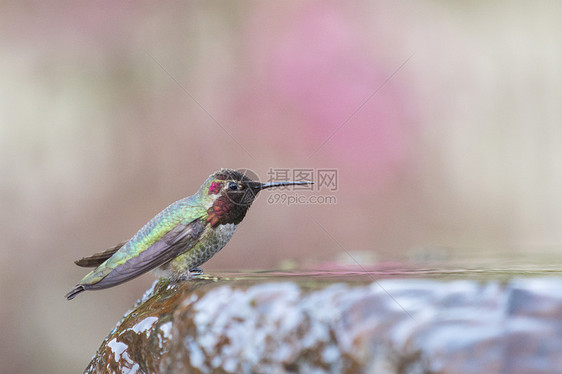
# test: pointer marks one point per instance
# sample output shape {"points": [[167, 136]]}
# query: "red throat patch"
{"points": [[218, 212]]}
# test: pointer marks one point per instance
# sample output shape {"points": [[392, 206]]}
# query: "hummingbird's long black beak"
{"points": [[262, 186]]}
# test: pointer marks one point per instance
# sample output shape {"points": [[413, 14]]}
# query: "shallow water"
{"points": [[499, 270]]}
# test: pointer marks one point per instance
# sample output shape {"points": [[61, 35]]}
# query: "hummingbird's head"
{"points": [[232, 192]]}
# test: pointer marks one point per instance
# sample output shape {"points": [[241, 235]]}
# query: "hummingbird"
{"points": [[181, 237]]}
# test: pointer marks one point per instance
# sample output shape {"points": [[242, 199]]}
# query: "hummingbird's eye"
{"points": [[232, 186]]}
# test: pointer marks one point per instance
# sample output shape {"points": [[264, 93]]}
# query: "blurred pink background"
{"points": [[442, 119]]}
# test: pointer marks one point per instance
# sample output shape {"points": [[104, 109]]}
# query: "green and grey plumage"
{"points": [[181, 237]]}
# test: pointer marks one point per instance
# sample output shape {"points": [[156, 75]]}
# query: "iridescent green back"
{"points": [[182, 211]]}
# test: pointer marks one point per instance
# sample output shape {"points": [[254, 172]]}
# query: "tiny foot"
{"points": [[182, 278], [187, 276]]}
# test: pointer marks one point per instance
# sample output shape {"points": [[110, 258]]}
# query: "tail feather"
{"points": [[99, 258], [75, 291]]}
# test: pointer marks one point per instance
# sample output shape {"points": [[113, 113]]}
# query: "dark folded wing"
{"points": [[97, 259], [177, 241]]}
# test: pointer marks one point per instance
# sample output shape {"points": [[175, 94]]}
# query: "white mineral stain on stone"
{"points": [[145, 325], [247, 321], [166, 329], [117, 348]]}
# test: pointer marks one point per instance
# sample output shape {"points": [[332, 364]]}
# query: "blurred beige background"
{"points": [[443, 120]]}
